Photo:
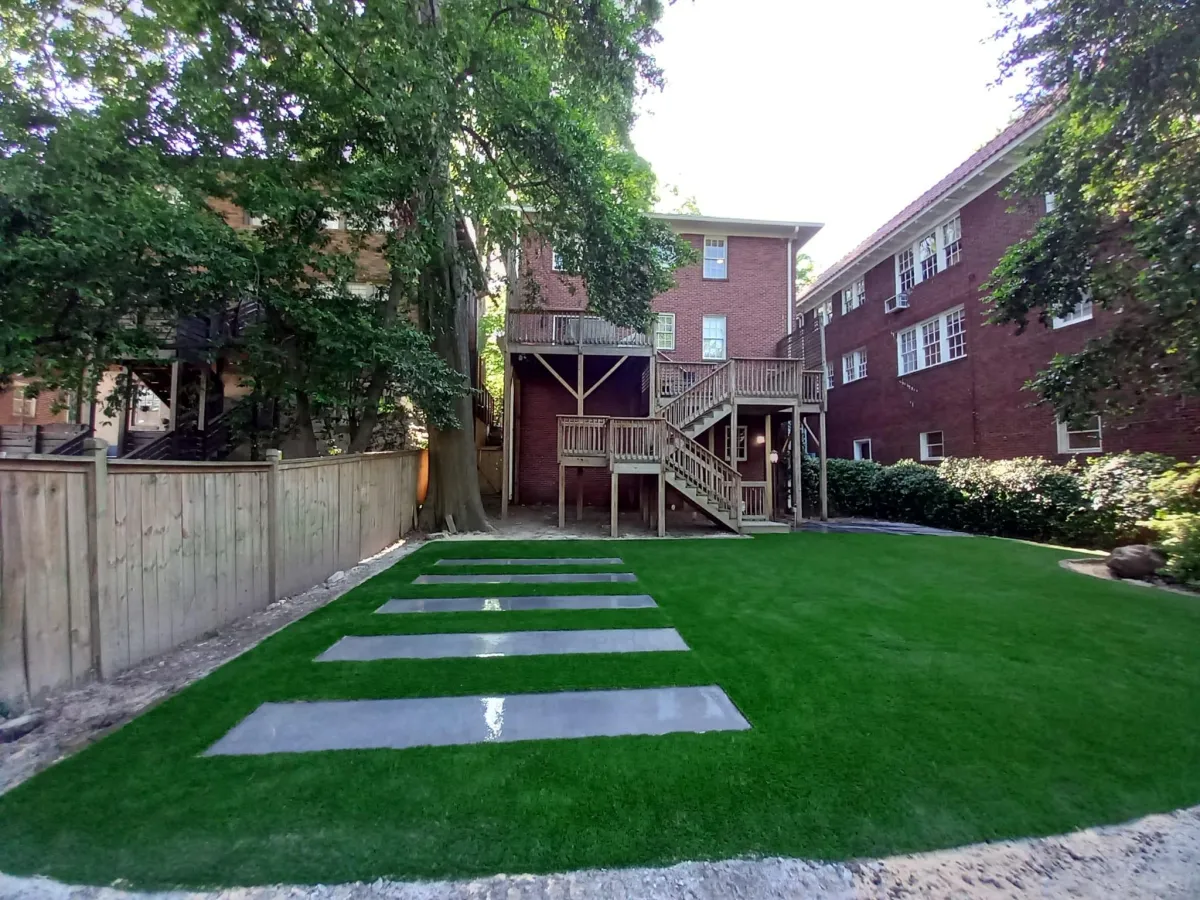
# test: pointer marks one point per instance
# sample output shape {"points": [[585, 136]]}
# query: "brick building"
{"points": [[587, 402], [914, 370]]}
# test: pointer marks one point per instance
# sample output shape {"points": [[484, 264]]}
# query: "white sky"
{"points": [[839, 112]]}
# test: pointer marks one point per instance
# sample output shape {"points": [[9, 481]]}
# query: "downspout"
{"points": [[791, 282]]}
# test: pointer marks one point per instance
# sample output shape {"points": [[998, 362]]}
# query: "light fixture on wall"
{"points": [[760, 439], [774, 456]]}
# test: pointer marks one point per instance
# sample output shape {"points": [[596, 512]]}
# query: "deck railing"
{"points": [[754, 499], [708, 393], [814, 387], [636, 440], [674, 378], [705, 472], [565, 328], [583, 436], [767, 377]]}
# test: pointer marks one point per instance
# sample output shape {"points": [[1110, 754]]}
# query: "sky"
{"points": [[838, 112]]}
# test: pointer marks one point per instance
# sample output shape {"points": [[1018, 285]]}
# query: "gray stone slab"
{"points": [[516, 561], [355, 648], [545, 578], [519, 604], [442, 721]]}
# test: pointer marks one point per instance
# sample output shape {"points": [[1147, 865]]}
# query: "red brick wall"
{"points": [[978, 402], [44, 413], [753, 298]]}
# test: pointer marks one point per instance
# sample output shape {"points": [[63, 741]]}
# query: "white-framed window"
{"points": [[830, 378], [362, 289], [1085, 436], [952, 241], [713, 334], [854, 296], [822, 315], [331, 222], [933, 445], [743, 443], [253, 221], [1051, 202], [716, 258], [862, 448], [23, 407], [932, 342], [556, 262], [664, 332], [854, 365], [1081, 313], [932, 253]]}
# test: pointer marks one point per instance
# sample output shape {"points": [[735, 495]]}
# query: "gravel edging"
{"points": [[1154, 858], [76, 718]]}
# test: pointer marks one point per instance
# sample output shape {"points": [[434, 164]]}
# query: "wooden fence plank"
{"points": [[14, 687], [114, 608], [78, 577]]}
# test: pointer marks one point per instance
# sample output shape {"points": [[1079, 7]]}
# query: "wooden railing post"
{"points": [[273, 491], [99, 539]]}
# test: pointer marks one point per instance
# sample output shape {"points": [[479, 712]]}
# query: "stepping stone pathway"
{"points": [[503, 643], [553, 578], [439, 721], [520, 604], [564, 561]]}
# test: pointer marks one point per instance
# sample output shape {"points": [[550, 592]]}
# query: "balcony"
{"points": [[570, 331]]}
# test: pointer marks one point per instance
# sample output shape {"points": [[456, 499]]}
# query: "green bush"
{"points": [[1101, 504], [1176, 494]]}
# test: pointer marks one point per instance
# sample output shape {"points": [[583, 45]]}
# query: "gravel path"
{"points": [[1156, 858]]}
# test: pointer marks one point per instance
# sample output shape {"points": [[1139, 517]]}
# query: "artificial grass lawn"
{"points": [[905, 693]]}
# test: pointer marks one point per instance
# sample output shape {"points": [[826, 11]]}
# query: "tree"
{"points": [[447, 120], [1122, 159], [805, 271]]}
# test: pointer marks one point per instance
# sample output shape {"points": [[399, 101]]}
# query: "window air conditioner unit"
{"points": [[897, 303]]}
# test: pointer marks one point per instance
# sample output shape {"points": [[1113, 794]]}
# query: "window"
{"points": [[933, 253], [854, 296], [331, 222], [862, 448], [1081, 313], [714, 337], [933, 445], [664, 332], [556, 262], [952, 241], [253, 221], [934, 341], [715, 258], [822, 315], [1051, 202], [362, 289], [830, 378], [742, 442], [854, 366], [1083, 436], [23, 407]]}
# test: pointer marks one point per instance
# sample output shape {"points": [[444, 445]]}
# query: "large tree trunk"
{"points": [[447, 314], [300, 442]]}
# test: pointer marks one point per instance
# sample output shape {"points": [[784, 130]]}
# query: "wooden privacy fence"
{"points": [[104, 563]]}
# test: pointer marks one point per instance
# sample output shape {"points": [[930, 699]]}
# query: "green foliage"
{"points": [[1123, 158], [1176, 494], [491, 325], [1101, 505]]}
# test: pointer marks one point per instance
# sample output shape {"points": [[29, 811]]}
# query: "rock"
{"points": [[1135, 561], [335, 578], [12, 729]]}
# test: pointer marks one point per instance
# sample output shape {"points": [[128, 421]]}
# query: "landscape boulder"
{"points": [[1136, 561]]}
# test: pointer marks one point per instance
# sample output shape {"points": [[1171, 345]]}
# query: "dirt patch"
{"points": [[1155, 858], [74, 719]]}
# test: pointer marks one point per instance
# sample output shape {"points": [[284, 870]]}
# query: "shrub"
{"points": [[852, 486], [1120, 491], [911, 492], [1176, 493]]}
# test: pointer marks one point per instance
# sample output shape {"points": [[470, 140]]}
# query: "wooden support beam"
{"points": [[797, 467], [506, 438], [613, 505], [824, 482], [562, 496], [603, 377], [653, 400], [561, 380], [174, 402], [579, 494], [662, 503], [580, 396], [770, 504]]}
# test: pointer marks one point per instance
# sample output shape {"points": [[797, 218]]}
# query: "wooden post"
{"points": [[506, 444], [99, 538], [824, 484], [273, 457], [579, 411], [732, 447], [174, 394], [562, 496], [203, 398], [579, 494], [770, 504], [797, 467], [653, 401], [662, 502], [613, 514], [126, 402], [579, 388]]}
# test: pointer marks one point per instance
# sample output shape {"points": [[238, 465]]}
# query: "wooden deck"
{"points": [[572, 332]]}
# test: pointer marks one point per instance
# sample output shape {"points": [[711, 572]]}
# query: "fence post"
{"points": [[98, 538], [273, 457]]}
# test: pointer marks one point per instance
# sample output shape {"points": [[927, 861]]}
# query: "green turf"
{"points": [[905, 693]]}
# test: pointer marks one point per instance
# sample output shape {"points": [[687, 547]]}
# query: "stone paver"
{"points": [[365, 648], [519, 604], [442, 721], [545, 578]]}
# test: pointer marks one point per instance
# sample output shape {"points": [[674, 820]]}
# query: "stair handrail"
{"points": [[688, 406], [723, 474]]}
